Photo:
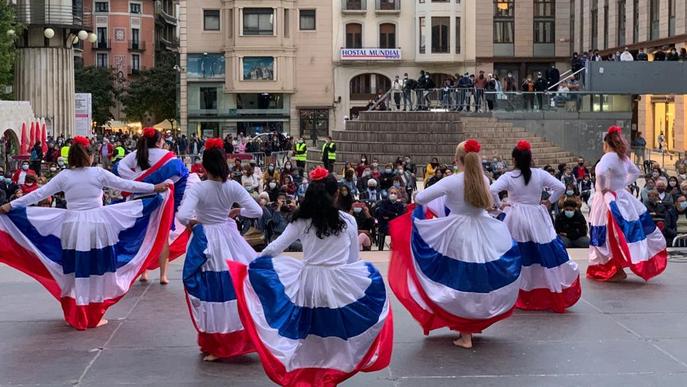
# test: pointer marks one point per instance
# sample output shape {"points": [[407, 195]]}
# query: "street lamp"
{"points": [[92, 38], [83, 35], [49, 33], [10, 33]]}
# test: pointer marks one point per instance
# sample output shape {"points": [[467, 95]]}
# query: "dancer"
{"points": [[550, 280], [319, 320], [88, 255], [152, 164], [207, 210], [461, 269], [623, 233]]}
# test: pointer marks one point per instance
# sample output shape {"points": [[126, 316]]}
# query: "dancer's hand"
{"points": [[235, 212], [192, 223], [162, 187], [546, 203], [5, 208]]}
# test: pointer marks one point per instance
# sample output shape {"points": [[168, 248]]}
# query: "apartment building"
{"points": [[251, 66]]}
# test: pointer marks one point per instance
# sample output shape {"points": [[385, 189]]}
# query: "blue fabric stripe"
{"points": [[633, 230], [95, 261], [598, 236], [297, 322], [173, 167], [548, 255], [209, 286], [464, 276]]}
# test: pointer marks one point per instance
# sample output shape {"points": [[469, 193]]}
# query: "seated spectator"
{"points": [[570, 194], [649, 186], [567, 177], [366, 225], [282, 209], [387, 210], [250, 182], [580, 170], [663, 215], [438, 175], [30, 184], [302, 189], [400, 187], [289, 186], [272, 189], [386, 180], [498, 167], [586, 187], [682, 192], [361, 183], [681, 215], [21, 173], [571, 226], [663, 194], [349, 182], [430, 169], [344, 199], [673, 186], [371, 195], [271, 174]]}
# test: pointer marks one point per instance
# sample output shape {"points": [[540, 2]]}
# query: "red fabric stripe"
{"points": [[401, 267], [16, 256], [276, 371], [544, 299], [152, 169], [178, 247]]}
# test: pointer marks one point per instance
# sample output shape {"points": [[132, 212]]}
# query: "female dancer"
{"points": [[152, 164], [207, 210], [623, 233], [550, 280], [319, 320], [88, 255], [460, 270]]}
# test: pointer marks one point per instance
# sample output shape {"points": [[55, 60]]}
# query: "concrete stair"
{"points": [[423, 135]]}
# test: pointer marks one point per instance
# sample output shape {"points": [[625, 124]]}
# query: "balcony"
{"points": [[165, 13], [354, 6], [105, 44], [46, 13], [137, 45], [388, 6]]}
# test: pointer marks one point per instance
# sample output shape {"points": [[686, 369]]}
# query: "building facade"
{"points": [[251, 66], [612, 25]]}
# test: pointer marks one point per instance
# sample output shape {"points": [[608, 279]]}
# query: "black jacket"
{"points": [[574, 227]]}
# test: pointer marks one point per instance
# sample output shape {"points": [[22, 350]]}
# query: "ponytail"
{"points": [[617, 143], [148, 140], [476, 190], [523, 162]]}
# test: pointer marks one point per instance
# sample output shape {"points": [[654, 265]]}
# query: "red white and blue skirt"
{"points": [[455, 271], [550, 280], [315, 325], [87, 259], [624, 235], [209, 289]]}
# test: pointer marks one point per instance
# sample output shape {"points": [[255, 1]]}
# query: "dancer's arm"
{"points": [[352, 229], [52, 187], [437, 190], [249, 207], [632, 172], [501, 184], [186, 211], [556, 186], [108, 179], [291, 234], [126, 167]]}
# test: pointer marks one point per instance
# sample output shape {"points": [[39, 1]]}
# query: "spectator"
{"points": [[397, 92], [580, 170], [438, 175], [649, 186], [586, 188], [30, 184], [365, 223], [540, 85], [36, 158], [663, 194], [53, 154], [673, 187], [196, 145], [480, 85], [681, 215], [386, 180], [642, 56], [387, 210], [659, 55], [302, 189], [371, 195], [683, 54], [249, 182], [349, 182], [638, 146], [673, 56], [271, 174], [228, 145], [683, 190], [553, 76], [509, 84], [408, 86], [198, 169], [571, 226], [528, 88], [626, 56], [663, 215], [430, 169], [576, 65], [491, 89], [272, 188], [106, 152], [344, 199], [567, 177], [20, 175]]}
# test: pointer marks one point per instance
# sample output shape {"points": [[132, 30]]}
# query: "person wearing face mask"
{"points": [[649, 186], [272, 188], [287, 171], [271, 174], [386, 180], [20, 174], [362, 180], [302, 189], [371, 195], [430, 169], [52, 171], [586, 188], [362, 165], [344, 200], [198, 169], [681, 215], [400, 188], [673, 187], [366, 224], [663, 194], [387, 210], [571, 226], [30, 184], [438, 175]]}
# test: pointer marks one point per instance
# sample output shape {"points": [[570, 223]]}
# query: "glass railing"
{"points": [[473, 100]]}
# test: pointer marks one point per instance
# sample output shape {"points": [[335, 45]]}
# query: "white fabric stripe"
{"points": [[555, 279], [415, 294], [313, 351], [215, 317], [529, 223], [643, 251]]}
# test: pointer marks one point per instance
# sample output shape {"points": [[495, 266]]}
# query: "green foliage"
{"points": [[153, 92], [100, 83], [7, 47]]}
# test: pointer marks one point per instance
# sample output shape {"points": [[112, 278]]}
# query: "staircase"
{"points": [[422, 135]]}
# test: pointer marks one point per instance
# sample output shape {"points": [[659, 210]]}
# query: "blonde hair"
{"points": [[476, 190]]}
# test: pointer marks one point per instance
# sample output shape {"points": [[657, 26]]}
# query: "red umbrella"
{"points": [[32, 135], [24, 145], [44, 138]]}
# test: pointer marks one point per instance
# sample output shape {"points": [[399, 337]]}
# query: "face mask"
{"points": [[673, 184], [375, 165], [8, 181], [386, 170], [683, 206], [569, 192], [198, 162], [363, 160], [30, 183], [366, 173], [287, 167], [304, 182], [372, 187], [654, 174], [344, 193], [270, 168], [397, 184], [273, 185], [358, 210], [569, 214], [53, 169], [580, 164], [24, 167], [392, 197]]}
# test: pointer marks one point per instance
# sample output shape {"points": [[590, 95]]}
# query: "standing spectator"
{"points": [[553, 76], [53, 154], [571, 226], [586, 187], [183, 145], [626, 56], [540, 85], [491, 89], [673, 56], [396, 92], [576, 65], [642, 56], [567, 177], [480, 85], [509, 84], [300, 152], [329, 154], [661, 141], [408, 87], [228, 145], [421, 86], [528, 88], [580, 170], [639, 147], [106, 151], [36, 158], [196, 145], [683, 54], [659, 55]]}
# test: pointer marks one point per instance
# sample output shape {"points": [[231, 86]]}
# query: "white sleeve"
{"points": [[108, 179], [188, 205], [291, 234], [556, 186], [632, 172], [127, 166], [354, 253], [52, 187], [603, 170], [501, 184], [437, 190], [249, 207]]}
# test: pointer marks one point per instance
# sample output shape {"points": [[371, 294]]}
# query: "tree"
{"points": [[8, 32], [153, 91], [100, 83]]}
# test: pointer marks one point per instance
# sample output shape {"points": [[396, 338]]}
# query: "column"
{"points": [[183, 56], [524, 28]]}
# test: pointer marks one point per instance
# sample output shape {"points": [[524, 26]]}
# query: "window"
{"points": [[314, 123], [671, 17], [354, 35], [387, 35], [440, 34], [635, 20], [286, 23], [544, 21], [622, 21], [504, 18], [211, 20], [365, 86], [605, 23], [208, 98], [654, 12], [458, 35], [421, 35], [102, 6], [572, 26], [101, 43], [258, 21], [135, 38], [135, 63], [307, 20], [258, 68], [135, 8], [101, 60], [595, 24]]}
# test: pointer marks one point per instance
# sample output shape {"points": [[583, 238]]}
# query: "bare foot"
{"points": [[464, 341], [144, 276], [164, 281], [101, 322], [210, 358], [619, 276]]}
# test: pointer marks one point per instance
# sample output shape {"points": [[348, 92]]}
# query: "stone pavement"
{"points": [[628, 334]]}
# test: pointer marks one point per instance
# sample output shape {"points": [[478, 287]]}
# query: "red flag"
{"points": [[24, 144], [44, 138]]}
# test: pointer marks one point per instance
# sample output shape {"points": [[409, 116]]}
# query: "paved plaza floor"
{"points": [[627, 334]]}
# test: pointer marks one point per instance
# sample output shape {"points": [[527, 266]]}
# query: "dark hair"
{"points": [[318, 206], [344, 203], [79, 156], [570, 203], [215, 163], [145, 143], [523, 162], [617, 143]]}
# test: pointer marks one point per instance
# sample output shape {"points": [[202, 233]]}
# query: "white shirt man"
{"points": [[626, 56]]}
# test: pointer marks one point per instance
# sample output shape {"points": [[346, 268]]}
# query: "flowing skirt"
{"points": [[624, 235], [315, 325], [455, 271], [86, 259], [209, 289], [550, 280]]}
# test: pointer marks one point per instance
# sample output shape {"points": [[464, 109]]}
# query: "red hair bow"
{"points": [[81, 140], [615, 129], [523, 146], [319, 173], [213, 143], [472, 146], [149, 132]]}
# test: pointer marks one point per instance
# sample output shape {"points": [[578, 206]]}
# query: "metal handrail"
{"points": [[384, 98], [567, 77]]}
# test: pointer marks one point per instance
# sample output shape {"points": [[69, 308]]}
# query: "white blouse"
{"points": [[209, 202], [128, 166], [614, 173], [83, 188], [519, 193], [453, 187], [333, 250]]}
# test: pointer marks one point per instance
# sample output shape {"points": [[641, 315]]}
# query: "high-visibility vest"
{"points": [[327, 148], [301, 152], [119, 153], [64, 153]]}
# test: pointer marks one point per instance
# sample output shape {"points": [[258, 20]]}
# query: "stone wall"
{"points": [[13, 114]]}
